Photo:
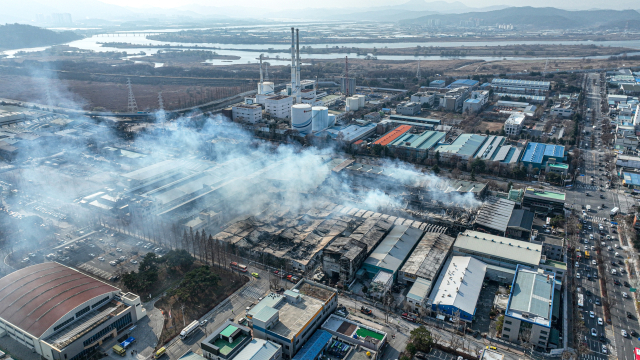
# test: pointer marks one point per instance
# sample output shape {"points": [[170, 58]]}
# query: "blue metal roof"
{"points": [[631, 179], [472, 101], [467, 82], [533, 153], [314, 346], [554, 150]]}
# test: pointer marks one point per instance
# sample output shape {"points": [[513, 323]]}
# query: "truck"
{"points": [[121, 349], [190, 329], [588, 208], [614, 211]]}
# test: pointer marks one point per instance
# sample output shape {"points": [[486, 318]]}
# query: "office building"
{"points": [[408, 108], [520, 86], [279, 106], [513, 125]]}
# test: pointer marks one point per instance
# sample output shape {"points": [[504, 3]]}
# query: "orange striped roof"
{"points": [[392, 135]]}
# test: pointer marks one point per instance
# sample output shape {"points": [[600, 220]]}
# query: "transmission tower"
{"points": [[545, 67], [266, 71], [133, 107], [161, 113], [418, 72]]}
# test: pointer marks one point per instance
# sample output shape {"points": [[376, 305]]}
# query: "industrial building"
{"points": [[392, 135], [513, 125], [415, 145], [408, 108], [490, 147], [502, 255], [355, 333], [520, 86], [520, 225], [291, 319], [251, 113], [545, 202], [347, 85], [279, 106], [537, 155], [434, 122], [428, 98], [391, 253], [437, 84], [563, 109], [464, 147], [513, 107], [529, 312], [454, 98], [458, 287], [500, 217], [350, 133], [62, 314]]}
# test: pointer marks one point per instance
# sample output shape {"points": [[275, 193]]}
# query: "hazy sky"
{"points": [[565, 4]]}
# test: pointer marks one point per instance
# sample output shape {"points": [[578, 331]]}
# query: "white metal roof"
{"points": [[498, 247], [460, 283]]}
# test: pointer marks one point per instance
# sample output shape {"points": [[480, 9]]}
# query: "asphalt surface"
{"points": [[597, 244]]}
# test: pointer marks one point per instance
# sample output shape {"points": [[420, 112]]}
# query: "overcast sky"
{"points": [[565, 4]]}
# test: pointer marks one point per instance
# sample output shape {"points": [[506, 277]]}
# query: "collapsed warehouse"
{"points": [[335, 236]]}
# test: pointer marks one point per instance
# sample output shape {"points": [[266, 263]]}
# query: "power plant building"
{"points": [[279, 106], [62, 314], [302, 118], [250, 113]]}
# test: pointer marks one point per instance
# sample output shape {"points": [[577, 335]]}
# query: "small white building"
{"points": [[563, 109], [409, 108], [513, 125], [279, 106], [251, 113], [424, 97]]}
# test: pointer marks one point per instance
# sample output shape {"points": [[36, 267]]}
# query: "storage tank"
{"points": [[361, 100], [268, 87], [301, 117], [332, 120], [320, 118], [352, 103]]}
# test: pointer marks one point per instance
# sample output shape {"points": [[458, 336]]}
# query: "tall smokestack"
{"points": [[293, 63], [298, 94], [261, 80]]}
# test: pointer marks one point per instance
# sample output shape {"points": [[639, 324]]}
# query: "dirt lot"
{"points": [[109, 95], [491, 126]]}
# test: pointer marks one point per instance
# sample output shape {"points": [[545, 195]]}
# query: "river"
{"points": [[248, 56]]}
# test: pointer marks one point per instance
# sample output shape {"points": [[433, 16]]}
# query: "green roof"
{"points": [[556, 264], [227, 347], [559, 165], [548, 194], [228, 331], [366, 332]]}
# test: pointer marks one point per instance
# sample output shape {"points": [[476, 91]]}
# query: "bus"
{"points": [[580, 300], [636, 353], [160, 352], [190, 329], [586, 255], [614, 211], [236, 266]]}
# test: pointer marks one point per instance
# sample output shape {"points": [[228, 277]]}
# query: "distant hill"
{"points": [[17, 36], [548, 18]]}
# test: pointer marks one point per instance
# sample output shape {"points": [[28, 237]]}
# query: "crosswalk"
{"points": [[597, 219], [251, 293], [588, 187]]}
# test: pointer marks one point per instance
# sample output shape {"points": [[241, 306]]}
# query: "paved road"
{"points": [[595, 241]]}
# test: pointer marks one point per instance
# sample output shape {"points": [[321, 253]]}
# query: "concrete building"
{"points": [[520, 225], [248, 113], [408, 108], [355, 333], [226, 341], [552, 246], [453, 99], [62, 314], [513, 107], [424, 97], [458, 287], [392, 252], [544, 202], [513, 125], [476, 101], [520, 86], [351, 85], [530, 308], [279, 106], [291, 319], [563, 109]]}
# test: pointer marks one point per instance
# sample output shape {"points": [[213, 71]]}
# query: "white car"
{"points": [[592, 314], [624, 295], [609, 248], [604, 348], [134, 261], [593, 248], [616, 246], [577, 275], [112, 263], [594, 262], [600, 321], [101, 258], [623, 332], [92, 255], [594, 332], [577, 265], [591, 236], [119, 250]]}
